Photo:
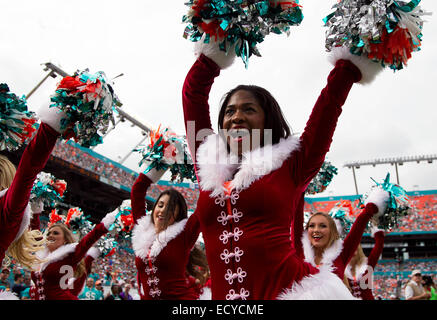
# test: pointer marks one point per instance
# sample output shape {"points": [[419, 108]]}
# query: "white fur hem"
{"points": [[206, 294], [369, 69], [324, 285], [212, 51], [154, 175], [7, 295], [51, 116]]}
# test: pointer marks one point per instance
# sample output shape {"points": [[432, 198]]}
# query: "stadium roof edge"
{"points": [[355, 197]]}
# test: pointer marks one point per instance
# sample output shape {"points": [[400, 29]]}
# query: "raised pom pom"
{"points": [[397, 204], [17, 124], [384, 31], [48, 189], [323, 178], [165, 150], [88, 102], [240, 24]]}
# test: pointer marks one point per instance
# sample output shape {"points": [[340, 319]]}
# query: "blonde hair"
{"points": [[333, 231], [357, 260], [7, 172], [80, 269], [24, 249]]}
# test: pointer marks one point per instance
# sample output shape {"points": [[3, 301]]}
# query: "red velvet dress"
{"points": [[362, 282], [15, 214], [251, 251], [161, 259], [52, 279]]}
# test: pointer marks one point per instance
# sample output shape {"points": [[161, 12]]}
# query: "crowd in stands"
{"points": [[85, 160]]}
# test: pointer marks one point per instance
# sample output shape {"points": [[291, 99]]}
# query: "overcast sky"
{"points": [[394, 116]]}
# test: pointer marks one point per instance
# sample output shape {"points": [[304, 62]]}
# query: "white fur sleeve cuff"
{"points": [[93, 252], [109, 219], [51, 116], [380, 198], [154, 175], [369, 69], [373, 230], [212, 51]]}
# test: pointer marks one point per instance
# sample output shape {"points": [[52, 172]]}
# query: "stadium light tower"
{"points": [[398, 161], [55, 70]]}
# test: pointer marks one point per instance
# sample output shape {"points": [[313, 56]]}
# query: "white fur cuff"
{"points": [[373, 230], [212, 51], [109, 219], [93, 252], [154, 175], [369, 69], [379, 197], [51, 116]]}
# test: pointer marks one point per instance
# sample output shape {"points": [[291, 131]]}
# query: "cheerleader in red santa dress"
{"points": [[359, 271], [322, 241], [62, 257], [160, 242], [250, 197], [16, 184]]}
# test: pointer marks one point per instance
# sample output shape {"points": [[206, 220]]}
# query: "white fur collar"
{"points": [[360, 269], [216, 166], [58, 254], [329, 255], [144, 237], [25, 222]]}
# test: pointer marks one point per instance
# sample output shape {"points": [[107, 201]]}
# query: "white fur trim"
{"points": [[144, 237], [58, 254], [374, 229], [360, 269], [7, 295], [166, 236], [324, 285], [206, 294], [51, 116], [93, 252], [109, 219], [37, 206], [216, 166], [212, 51], [154, 175], [379, 197], [369, 69], [25, 222], [329, 255]]}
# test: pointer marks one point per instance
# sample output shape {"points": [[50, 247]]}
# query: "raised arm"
{"points": [[374, 255], [32, 162], [319, 130], [138, 196], [195, 94], [376, 204], [90, 238]]}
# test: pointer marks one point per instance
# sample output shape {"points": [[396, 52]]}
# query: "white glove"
{"points": [[36, 206], [51, 116], [212, 51], [379, 197], [109, 219], [153, 174], [369, 69]]}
